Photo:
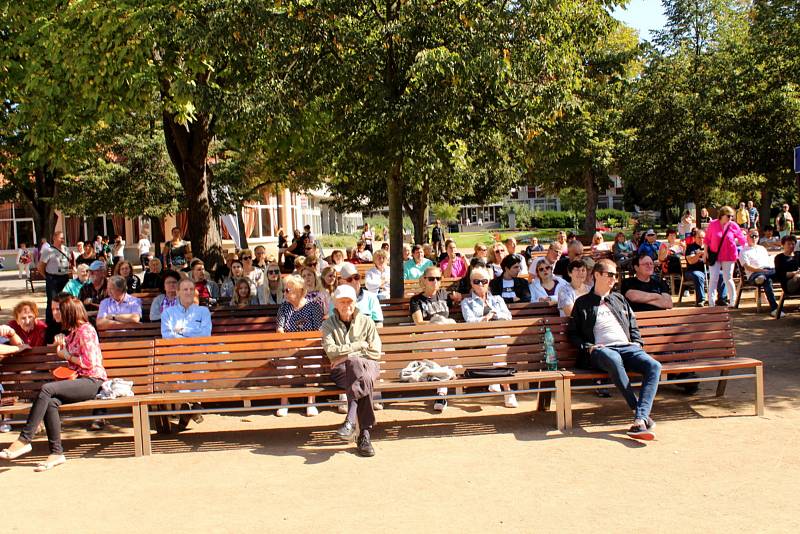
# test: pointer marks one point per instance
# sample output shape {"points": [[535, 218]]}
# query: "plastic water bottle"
{"points": [[550, 357]]}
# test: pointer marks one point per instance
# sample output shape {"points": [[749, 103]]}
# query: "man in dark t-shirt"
{"points": [[644, 291]]}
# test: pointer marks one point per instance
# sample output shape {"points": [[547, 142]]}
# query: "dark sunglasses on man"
{"points": [[480, 281]]}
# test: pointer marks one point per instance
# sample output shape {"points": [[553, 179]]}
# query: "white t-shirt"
{"points": [[508, 289], [144, 246], [607, 330], [757, 256]]}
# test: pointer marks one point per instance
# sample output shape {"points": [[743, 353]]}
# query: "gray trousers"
{"points": [[357, 376]]}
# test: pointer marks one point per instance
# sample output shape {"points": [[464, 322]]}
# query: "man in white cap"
{"points": [[366, 301], [351, 342]]}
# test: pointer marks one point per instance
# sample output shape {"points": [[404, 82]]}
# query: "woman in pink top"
{"points": [[728, 253], [80, 349], [454, 265]]}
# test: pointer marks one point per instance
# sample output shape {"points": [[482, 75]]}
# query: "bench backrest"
{"points": [[297, 359], [671, 335], [398, 314], [22, 375]]}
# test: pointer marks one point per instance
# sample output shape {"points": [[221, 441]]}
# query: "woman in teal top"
{"points": [[74, 286]]}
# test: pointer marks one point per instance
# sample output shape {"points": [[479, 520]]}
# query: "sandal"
{"points": [[47, 466], [6, 454]]}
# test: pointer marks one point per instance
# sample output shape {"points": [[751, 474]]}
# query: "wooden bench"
{"points": [[684, 340], [34, 276], [244, 368], [22, 375], [398, 314]]}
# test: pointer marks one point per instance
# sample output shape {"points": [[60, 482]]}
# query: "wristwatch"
{"points": [[113, 317]]}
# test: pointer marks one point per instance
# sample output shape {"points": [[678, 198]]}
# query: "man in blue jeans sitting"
{"points": [[604, 329]]}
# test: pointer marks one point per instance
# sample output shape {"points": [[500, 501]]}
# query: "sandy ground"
{"points": [[478, 467]]}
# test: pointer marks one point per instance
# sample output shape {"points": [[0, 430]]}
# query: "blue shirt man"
{"points": [[186, 319], [649, 246]]}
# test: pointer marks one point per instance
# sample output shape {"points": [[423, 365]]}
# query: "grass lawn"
{"points": [[464, 239]]}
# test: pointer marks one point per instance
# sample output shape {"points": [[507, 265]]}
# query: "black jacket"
{"points": [[584, 316], [521, 289]]}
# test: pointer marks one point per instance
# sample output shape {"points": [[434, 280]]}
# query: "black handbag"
{"points": [[489, 372], [711, 256]]}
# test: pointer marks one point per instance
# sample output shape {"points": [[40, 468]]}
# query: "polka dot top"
{"points": [[304, 319]]}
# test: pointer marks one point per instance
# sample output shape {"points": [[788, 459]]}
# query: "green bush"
{"points": [[614, 218], [553, 219], [524, 214]]}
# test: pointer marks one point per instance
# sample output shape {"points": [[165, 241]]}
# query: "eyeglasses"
{"points": [[611, 274], [273, 271], [544, 268], [480, 282], [246, 258], [433, 278]]}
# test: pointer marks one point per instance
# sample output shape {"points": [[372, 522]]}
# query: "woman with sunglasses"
{"points": [[482, 306], [273, 288], [545, 286], [496, 254], [254, 274], [432, 306]]}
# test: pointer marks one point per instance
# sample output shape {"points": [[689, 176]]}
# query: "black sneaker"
{"points": [[346, 431], [364, 446], [641, 431], [603, 393]]}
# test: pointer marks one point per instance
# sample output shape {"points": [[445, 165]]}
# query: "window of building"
{"points": [[16, 226]]}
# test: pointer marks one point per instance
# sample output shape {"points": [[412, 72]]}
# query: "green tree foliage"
{"points": [[446, 213], [425, 100], [579, 145]]}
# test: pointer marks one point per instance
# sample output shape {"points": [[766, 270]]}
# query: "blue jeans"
{"points": [[616, 361], [769, 274], [699, 277]]}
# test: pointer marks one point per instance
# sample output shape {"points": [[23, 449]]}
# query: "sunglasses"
{"points": [[354, 277], [273, 271], [611, 274], [480, 282], [544, 268], [433, 278], [482, 249], [246, 258], [753, 235]]}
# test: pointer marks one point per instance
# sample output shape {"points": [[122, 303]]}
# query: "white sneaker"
{"points": [[376, 404], [685, 294], [511, 401], [342, 408], [495, 388], [311, 411], [775, 312], [440, 405], [282, 412], [4, 428]]}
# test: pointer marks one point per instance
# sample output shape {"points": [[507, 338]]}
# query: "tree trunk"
{"points": [[764, 208], [395, 189], [242, 233], [188, 149], [40, 196], [592, 192]]}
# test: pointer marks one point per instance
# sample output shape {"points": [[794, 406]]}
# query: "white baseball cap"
{"points": [[345, 291]]}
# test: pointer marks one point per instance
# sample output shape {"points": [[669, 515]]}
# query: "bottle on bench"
{"points": [[550, 356]]}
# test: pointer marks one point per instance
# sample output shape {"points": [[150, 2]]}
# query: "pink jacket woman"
{"points": [[728, 251]]}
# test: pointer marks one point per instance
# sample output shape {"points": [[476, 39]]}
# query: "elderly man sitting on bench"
{"points": [[604, 329], [351, 342]]}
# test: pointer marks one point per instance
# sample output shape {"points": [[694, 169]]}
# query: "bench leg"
{"points": [[137, 430], [739, 295], [247, 404], [566, 402], [560, 423], [722, 384], [144, 415], [543, 402], [459, 390], [780, 306], [760, 390]]}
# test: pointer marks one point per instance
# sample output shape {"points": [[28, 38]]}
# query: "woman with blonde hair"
{"points": [[241, 294], [298, 313], [598, 243]]}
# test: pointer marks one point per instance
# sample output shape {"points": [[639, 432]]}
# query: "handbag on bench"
{"points": [[489, 372]]}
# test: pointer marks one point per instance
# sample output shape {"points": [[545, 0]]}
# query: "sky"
{"points": [[644, 15]]}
